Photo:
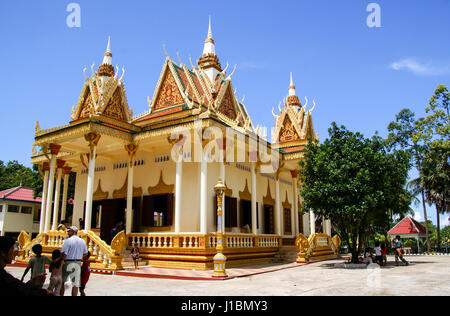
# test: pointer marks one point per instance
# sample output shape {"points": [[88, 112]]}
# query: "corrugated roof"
{"points": [[19, 194]]}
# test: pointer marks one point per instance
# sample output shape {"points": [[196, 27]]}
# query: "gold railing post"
{"points": [[219, 258]]}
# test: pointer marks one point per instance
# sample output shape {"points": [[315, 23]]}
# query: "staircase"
{"points": [[127, 261], [286, 254]]}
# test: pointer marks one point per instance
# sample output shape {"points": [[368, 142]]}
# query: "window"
{"points": [[13, 209], [27, 210]]}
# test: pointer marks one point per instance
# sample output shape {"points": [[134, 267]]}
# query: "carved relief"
{"points": [[287, 132], [227, 106], [169, 95], [114, 108], [87, 106]]}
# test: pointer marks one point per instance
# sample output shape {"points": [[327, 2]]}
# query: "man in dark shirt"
{"points": [[399, 251], [9, 285]]}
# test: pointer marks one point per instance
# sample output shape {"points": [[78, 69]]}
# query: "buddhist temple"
{"points": [[156, 171]]}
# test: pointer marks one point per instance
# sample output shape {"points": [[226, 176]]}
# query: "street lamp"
{"points": [[219, 258]]}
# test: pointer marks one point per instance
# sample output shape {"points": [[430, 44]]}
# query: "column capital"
{"points": [[67, 170], [60, 163], [92, 139], [54, 149], [131, 150], [46, 166], [294, 174]]}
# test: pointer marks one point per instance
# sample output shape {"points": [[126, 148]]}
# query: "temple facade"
{"points": [[156, 171]]}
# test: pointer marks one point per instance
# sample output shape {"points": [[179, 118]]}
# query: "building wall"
{"points": [[16, 222]]}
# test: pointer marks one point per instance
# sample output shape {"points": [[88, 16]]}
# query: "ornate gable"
{"points": [[168, 94], [288, 132], [227, 105]]}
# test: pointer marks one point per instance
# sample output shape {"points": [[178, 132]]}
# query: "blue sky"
{"points": [[359, 76]]}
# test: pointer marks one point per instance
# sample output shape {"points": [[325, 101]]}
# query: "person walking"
{"points": [[399, 251], [37, 265], [73, 251], [9, 285]]}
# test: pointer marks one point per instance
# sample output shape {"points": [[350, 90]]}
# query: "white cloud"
{"points": [[418, 216], [444, 221], [420, 68]]}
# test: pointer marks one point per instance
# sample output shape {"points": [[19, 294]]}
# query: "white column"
{"points": [[296, 210], [57, 193], [2, 219], [51, 182], [203, 194], [312, 222], [178, 184], [306, 225], [328, 226], [66, 185], [90, 190], [222, 175], [44, 198], [129, 212], [254, 221], [278, 207]]}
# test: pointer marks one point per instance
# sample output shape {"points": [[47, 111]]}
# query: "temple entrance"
{"points": [[112, 212], [246, 215], [269, 222], [157, 212]]}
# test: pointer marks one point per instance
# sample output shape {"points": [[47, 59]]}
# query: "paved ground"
{"points": [[426, 275]]}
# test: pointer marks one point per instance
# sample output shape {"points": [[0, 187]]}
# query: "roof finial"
{"points": [[209, 29], [108, 48]]}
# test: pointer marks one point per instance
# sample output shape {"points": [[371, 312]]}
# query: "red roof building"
{"points": [[19, 194], [19, 211], [408, 228]]}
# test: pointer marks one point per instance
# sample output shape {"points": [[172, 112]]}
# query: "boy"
{"points": [[85, 273], [399, 251], [37, 265]]}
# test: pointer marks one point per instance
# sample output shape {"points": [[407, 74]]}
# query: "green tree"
{"points": [[403, 134], [354, 182], [434, 130], [14, 174]]}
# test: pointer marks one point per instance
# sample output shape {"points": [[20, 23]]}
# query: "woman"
{"points": [[9, 285]]}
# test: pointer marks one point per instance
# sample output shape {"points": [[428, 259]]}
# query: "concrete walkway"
{"points": [[426, 275]]}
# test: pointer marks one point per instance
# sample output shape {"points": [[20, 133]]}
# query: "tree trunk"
{"points": [[438, 229], [426, 222]]}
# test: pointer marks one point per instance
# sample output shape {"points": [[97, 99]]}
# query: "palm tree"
{"points": [[416, 187]]}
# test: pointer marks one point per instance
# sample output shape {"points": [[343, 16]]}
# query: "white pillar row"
{"points": [[44, 198], [54, 150], [92, 139], [312, 222], [60, 165], [178, 184], [203, 193], [67, 171], [254, 210], [131, 150], [278, 206]]}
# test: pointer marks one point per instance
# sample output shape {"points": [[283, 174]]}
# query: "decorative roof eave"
{"points": [[95, 124]]}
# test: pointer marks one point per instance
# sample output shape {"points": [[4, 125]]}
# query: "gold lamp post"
{"points": [[219, 258]]}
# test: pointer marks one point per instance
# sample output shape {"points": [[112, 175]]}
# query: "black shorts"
{"points": [[379, 258]]}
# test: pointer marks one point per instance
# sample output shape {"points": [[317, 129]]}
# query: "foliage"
{"points": [[355, 182], [13, 174]]}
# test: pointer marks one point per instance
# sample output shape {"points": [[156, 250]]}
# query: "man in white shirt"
{"points": [[73, 251]]}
